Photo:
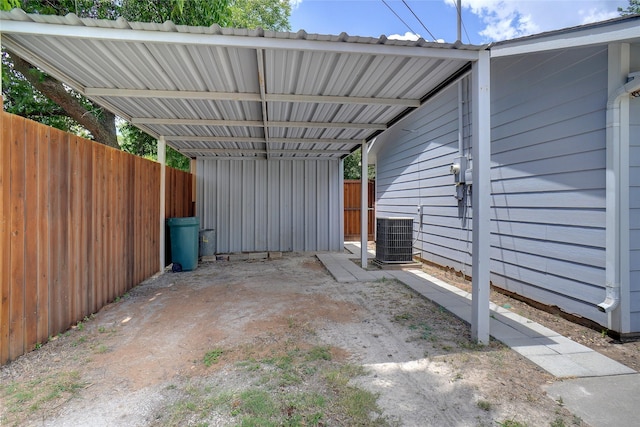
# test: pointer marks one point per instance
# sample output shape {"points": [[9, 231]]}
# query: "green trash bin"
{"points": [[184, 242]]}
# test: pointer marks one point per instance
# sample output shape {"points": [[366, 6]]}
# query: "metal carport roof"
{"points": [[214, 92], [235, 93]]}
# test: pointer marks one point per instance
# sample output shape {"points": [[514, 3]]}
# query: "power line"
{"points": [[398, 16], [421, 23]]}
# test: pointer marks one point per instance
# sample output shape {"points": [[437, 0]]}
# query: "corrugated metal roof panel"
{"points": [[227, 76]]}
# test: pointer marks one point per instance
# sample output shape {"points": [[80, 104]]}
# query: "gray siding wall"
{"points": [[271, 205], [548, 177], [413, 170], [634, 198]]}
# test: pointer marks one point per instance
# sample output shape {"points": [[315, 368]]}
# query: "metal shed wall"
{"points": [[548, 177], [413, 170], [271, 205], [634, 197]]}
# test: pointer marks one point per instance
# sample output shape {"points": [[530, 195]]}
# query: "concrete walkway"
{"points": [[590, 379]]}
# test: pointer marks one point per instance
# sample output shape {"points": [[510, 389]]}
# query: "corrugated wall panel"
{"points": [[275, 205]]}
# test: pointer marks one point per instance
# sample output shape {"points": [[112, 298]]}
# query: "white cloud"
{"points": [[406, 36], [507, 19], [294, 4]]}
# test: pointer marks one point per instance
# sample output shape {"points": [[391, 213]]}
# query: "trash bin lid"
{"points": [[177, 222]]}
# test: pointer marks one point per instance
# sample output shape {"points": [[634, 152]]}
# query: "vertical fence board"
{"points": [[129, 233], [55, 323], [5, 233], [31, 236], [137, 234], [44, 218], [17, 176], [62, 213], [5, 202], [96, 289], [84, 256], [75, 229]]}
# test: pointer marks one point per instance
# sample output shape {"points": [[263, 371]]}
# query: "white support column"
{"points": [[481, 197], [162, 159], [364, 204]]}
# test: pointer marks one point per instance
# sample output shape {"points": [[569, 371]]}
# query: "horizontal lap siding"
{"points": [[634, 205], [275, 205], [413, 170], [548, 177]]}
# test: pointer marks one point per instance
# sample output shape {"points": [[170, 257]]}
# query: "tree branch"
{"points": [[101, 126]]}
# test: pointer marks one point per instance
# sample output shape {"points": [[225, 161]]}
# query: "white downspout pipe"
{"points": [[460, 121], [615, 135]]}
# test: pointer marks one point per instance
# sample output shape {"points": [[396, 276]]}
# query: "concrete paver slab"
{"points": [[602, 401]]}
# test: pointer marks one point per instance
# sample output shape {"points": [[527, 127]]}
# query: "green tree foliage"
{"points": [[352, 166], [9, 4], [632, 9], [267, 14], [180, 12], [31, 93]]}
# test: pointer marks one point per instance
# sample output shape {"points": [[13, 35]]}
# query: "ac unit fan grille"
{"points": [[394, 240]]}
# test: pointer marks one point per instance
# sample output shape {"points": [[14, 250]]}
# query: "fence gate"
{"points": [[352, 209]]}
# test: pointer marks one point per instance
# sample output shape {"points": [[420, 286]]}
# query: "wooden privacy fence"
{"points": [[352, 201], [79, 226]]}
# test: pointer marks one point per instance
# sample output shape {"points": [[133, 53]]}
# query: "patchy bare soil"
{"points": [[137, 357]]}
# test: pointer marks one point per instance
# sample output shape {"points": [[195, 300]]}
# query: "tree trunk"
{"points": [[101, 123]]}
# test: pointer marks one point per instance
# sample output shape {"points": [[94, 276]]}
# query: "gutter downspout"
{"points": [[613, 212], [460, 121]]}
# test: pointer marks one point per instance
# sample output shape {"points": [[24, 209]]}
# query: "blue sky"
{"points": [[484, 20]]}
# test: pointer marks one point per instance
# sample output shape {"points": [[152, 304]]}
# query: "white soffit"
{"points": [[236, 93]]}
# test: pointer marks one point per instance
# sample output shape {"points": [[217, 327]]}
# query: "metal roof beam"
{"points": [[263, 91], [172, 94], [217, 40], [254, 123], [192, 138], [249, 97], [241, 151]]}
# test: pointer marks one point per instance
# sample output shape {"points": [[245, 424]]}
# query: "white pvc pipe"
{"points": [[460, 122], [617, 179]]}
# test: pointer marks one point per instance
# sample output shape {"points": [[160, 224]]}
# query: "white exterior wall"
{"points": [[634, 197], [271, 205]]}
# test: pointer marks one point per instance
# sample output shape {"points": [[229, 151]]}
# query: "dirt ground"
{"points": [[137, 356]]}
